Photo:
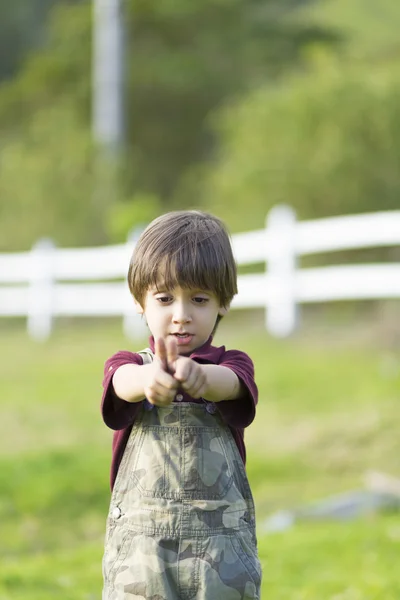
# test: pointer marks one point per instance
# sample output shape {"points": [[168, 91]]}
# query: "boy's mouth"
{"points": [[183, 338]]}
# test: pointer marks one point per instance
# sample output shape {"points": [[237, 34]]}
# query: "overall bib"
{"points": [[181, 524]]}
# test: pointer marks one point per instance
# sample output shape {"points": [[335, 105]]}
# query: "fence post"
{"points": [[134, 325], [41, 288], [281, 309]]}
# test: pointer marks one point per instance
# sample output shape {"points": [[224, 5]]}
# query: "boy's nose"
{"points": [[181, 313]]}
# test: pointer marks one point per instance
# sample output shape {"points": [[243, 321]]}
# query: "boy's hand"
{"points": [[161, 386], [188, 373]]}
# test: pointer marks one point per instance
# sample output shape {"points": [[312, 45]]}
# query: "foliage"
{"points": [[50, 181], [328, 411], [327, 143], [183, 60], [57, 72], [22, 28], [222, 111], [58, 185], [187, 59], [369, 30], [131, 217]]}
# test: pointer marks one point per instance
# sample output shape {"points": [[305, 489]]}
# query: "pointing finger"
{"points": [[161, 353], [171, 354]]}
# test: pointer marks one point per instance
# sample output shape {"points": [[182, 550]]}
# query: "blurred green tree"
{"points": [[54, 184], [186, 59], [183, 60], [60, 69], [51, 185], [22, 30], [326, 143]]}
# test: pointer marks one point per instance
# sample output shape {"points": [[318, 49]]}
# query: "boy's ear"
{"points": [[139, 308], [223, 310]]}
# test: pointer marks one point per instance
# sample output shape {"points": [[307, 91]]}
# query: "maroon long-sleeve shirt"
{"points": [[120, 415]]}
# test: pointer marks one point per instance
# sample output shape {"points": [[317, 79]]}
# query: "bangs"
{"points": [[191, 268]]}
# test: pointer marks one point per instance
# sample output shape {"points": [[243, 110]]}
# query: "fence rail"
{"points": [[49, 282]]}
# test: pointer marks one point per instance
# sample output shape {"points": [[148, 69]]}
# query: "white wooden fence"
{"points": [[50, 282]]}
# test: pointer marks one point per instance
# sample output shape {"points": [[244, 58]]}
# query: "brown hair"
{"points": [[190, 249]]}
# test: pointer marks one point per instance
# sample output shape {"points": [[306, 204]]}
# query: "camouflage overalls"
{"points": [[181, 524]]}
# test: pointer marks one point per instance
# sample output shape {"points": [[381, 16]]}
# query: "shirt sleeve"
{"points": [[240, 413], [117, 413]]}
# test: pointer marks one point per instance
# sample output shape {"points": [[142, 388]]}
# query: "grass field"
{"points": [[328, 412]]}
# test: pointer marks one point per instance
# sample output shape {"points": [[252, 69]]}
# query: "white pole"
{"points": [[108, 74], [40, 295], [281, 310]]}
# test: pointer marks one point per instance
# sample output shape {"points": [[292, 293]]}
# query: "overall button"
{"points": [[116, 513], [211, 408], [179, 397]]}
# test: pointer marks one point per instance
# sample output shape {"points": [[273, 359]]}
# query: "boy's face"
{"points": [[188, 315]]}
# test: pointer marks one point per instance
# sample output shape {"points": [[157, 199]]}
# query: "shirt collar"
{"points": [[200, 352]]}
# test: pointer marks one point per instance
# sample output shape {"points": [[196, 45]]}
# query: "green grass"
{"points": [[328, 412]]}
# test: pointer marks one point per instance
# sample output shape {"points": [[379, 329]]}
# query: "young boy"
{"points": [[181, 524]]}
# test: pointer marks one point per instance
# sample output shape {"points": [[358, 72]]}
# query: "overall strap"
{"points": [[147, 356]]}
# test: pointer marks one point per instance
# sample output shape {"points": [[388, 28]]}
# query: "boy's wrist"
{"points": [[128, 386], [207, 385], [222, 383]]}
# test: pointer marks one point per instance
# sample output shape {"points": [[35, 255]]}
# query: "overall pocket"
{"points": [[227, 569], [150, 473], [244, 544], [206, 472], [116, 552], [181, 463]]}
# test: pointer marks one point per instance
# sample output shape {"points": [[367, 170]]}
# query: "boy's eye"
{"points": [[164, 299], [200, 300]]}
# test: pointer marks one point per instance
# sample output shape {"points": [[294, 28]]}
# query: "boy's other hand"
{"points": [[188, 373], [161, 387]]}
